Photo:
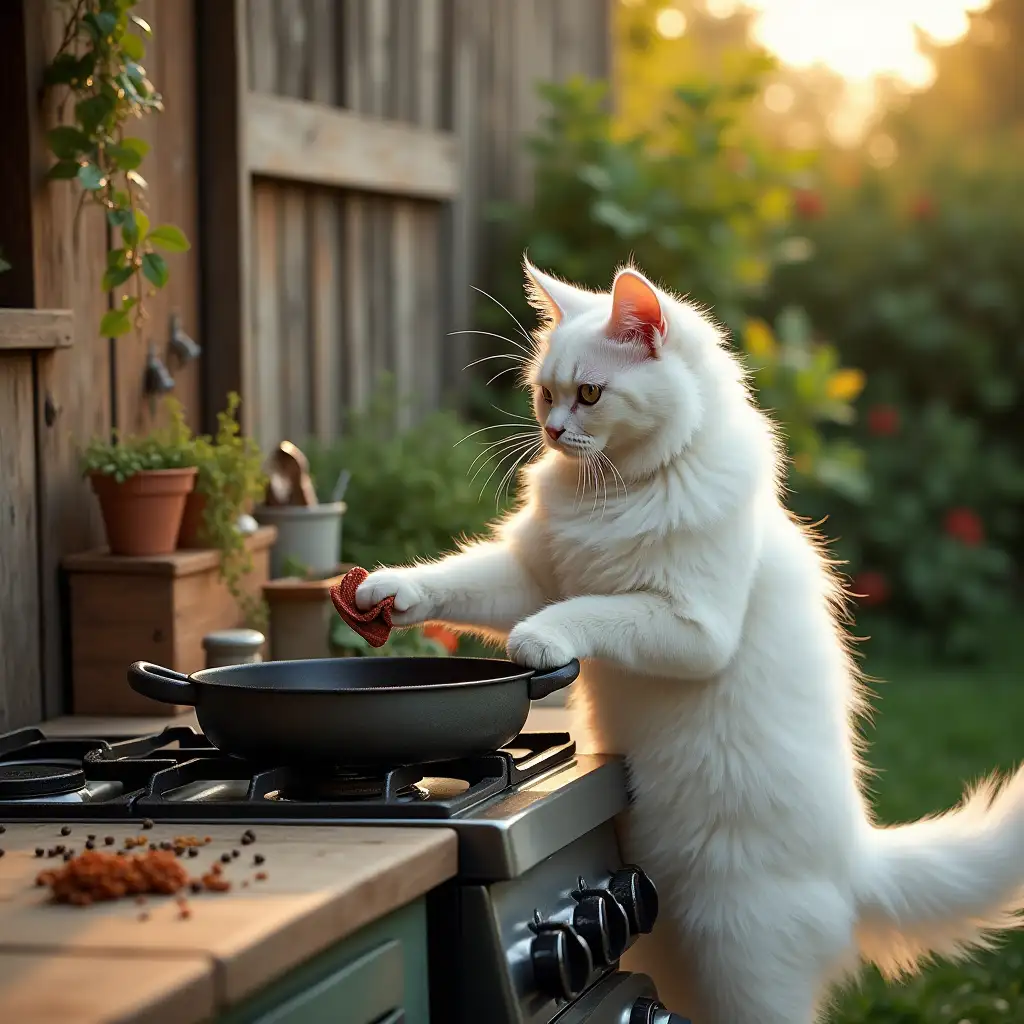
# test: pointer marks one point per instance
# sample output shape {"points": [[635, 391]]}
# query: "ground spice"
{"points": [[95, 875]]}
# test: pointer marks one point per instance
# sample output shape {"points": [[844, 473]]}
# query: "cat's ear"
{"points": [[636, 312], [550, 297]]}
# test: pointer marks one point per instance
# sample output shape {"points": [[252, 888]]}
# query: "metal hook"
{"points": [[158, 379], [181, 344]]}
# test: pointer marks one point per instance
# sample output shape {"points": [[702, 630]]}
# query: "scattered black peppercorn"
{"points": [[52, 851], [234, 853], [153, 846], [166, 845], [109, 840], [91, 836], [147, 822], [68, 855], [59, 848], [193, 851], [225, 858], [196, 886], [3, 829], [1, 851], [258, 859], [90, 845], [179, 850], [65, 830], [40, 851]]}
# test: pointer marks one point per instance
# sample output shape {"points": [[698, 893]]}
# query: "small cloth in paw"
{"points": [[373, 625]]}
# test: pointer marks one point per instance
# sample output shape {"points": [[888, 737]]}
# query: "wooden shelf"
{"points": [[22, 329]]}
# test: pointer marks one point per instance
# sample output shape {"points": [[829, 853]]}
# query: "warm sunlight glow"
{"points": [[778, 97], [671, 23], [721, 8], [861, 39]]}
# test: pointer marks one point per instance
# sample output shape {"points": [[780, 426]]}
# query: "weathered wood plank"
{"points": [[36, 328], [172, 197], [225, 209], [302, 141], [266, 320], [294, 355], [72, 400], [325, 235], [21, 688]]}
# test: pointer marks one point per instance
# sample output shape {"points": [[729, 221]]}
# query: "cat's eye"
{"points": [[546, 395], [589, 394]]}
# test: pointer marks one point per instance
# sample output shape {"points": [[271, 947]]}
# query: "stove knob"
{"points": [[636, 893], [602, 922], [649, 1011], [562, 964]]}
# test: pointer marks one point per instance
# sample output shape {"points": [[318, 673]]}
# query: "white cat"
{"points": [[706, 621]]}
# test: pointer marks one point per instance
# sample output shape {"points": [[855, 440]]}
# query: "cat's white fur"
{"points": [[706, 620]]}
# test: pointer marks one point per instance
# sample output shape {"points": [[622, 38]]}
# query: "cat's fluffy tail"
{"points": [[943, 884]]}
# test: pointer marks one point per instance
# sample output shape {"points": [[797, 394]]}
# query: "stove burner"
{"points": [[402, 786], [32, 780]]}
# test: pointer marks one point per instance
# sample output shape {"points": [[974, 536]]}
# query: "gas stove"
{"points": [[530, 931]]}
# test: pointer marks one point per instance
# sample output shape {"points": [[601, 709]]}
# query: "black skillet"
{"points": [[356, 711]]}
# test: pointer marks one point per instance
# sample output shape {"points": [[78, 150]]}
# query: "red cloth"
{"points": [[373, 625]]}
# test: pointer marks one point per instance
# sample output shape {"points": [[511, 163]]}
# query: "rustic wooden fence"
{"points": [[374, 132]]}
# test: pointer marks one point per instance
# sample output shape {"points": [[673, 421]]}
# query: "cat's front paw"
{"points": [[412, 603], [539, 647]]}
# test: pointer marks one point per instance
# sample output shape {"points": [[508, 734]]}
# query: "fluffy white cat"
{"points": [[652, 544]]}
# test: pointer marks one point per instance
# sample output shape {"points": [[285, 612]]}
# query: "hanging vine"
{"points": [[99, 64]]}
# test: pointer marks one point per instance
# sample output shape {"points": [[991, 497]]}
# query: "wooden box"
{"points": [[148, 609]]}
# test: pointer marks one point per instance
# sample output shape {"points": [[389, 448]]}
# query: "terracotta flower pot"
{"points": [[192, 523], [143, 514]]}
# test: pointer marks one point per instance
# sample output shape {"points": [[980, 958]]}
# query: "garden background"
{"points": [[875, 286]]}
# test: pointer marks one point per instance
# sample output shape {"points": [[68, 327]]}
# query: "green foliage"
{"points": [[170, 447], [402, 643], [922, 289], [99, 64], [230, 477], [704, 209], [411, 494]]}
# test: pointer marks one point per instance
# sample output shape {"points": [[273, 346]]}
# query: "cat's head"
{"points": [[621, 371]]}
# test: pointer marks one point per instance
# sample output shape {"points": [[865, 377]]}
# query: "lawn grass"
{"points": [[935, 729]]}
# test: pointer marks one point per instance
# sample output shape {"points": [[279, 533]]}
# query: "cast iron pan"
{"points": [[356, 711]]}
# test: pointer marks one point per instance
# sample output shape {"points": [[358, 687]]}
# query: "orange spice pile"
{"points": [[94, 875]]}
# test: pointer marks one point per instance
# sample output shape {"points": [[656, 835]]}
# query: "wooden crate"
{"points": [[148, 609]]}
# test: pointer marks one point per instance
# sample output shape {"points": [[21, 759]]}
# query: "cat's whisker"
{"points": [[497, 355], [498, 463], [508, 369], [499, 456], [501, 337], [493, 426], [506, 480], [514, 415], [618, 476], [506, 442], [522, 330]]}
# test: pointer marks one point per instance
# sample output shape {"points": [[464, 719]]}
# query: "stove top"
{"points": [[511, 808]]}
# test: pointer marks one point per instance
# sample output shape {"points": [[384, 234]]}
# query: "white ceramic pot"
{"points": [[308, 534]]}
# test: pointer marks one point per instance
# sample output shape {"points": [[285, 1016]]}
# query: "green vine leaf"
{"points": [[113, 277], [155, 268], [138, 146], [91, 178], [115, 322], [63, 170], [168, 237], [133, 46], [93, 111], [62, 70], [67, 142], [126, 159]]}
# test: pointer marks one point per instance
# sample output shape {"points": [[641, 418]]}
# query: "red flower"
{"points": [[808, 204], [871, 587], [923, 208], [883, 420], [964, 525]]}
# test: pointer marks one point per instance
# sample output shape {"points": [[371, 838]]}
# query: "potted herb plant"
{"points": [[229, 480], [142, 483]]}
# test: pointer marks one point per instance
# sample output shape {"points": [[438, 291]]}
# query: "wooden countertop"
{"points": [[77, 965]]}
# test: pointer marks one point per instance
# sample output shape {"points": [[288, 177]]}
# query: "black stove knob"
{"points": [[602, 922], [562, 963], [650, 1011], [635, 891]]}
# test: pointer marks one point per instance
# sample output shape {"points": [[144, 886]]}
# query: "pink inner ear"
{"points": [[636, 312]]}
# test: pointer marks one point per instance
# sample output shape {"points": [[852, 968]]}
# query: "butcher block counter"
{"points": [[298, 895]]}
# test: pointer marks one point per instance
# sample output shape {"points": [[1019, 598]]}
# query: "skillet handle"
{"points": [[543, 683], [162, 684]]}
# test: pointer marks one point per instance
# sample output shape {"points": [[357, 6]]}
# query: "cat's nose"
{"points": [[555, 432]]}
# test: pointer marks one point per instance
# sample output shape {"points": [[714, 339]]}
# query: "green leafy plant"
{"points": [[99, 63], [412, 492], [402, 643], [916, 277], [230, 478], [121, 457]]}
